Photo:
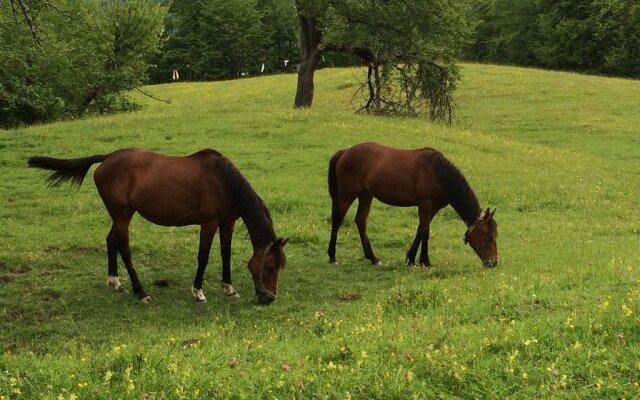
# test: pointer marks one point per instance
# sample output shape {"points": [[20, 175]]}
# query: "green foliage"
{"points": [[557, 319], [91, 53], [221, 39], [417, 44], [592, 36], [411, 48]]}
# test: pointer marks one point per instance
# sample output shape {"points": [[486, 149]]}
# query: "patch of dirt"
{"points": [[162, 283], [346, 296]]}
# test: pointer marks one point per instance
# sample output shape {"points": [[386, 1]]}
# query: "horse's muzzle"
{"points": [[490, 263], [264, 300]]}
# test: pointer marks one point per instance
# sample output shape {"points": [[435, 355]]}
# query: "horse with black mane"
{"points": [[423, 178], [204, 188]]}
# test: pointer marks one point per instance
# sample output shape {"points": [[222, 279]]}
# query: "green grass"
{"points": [[555, 153]]}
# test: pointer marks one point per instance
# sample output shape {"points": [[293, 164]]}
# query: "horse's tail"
{"points": [[73, 170], [332, 179]]}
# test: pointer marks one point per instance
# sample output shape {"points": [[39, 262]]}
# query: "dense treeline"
{"points": [[86, 56], [226, 39], [222, 39], [593, 36]]}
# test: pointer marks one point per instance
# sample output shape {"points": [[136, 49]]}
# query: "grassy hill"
{"points": [[555, 153]]}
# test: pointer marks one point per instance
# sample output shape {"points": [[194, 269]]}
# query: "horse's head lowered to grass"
{"points": [[265, 267], [482, 237]]}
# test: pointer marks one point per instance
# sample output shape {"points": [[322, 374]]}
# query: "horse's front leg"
{"points": [[425, 214], [207, 232], [226, 234]]}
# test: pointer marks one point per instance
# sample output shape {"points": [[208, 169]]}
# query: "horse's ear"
{"points": [[487, 214], [281, 242], [493, 213]]}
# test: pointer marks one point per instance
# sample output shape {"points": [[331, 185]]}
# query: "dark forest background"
{"points": [[76, 58]]}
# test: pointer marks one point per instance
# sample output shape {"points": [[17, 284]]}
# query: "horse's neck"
{"points": [[466, 205], [260, 231]]}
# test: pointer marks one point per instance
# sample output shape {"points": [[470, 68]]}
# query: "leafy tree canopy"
{"points": [[410, 47], [86, 55], [595, 36]]}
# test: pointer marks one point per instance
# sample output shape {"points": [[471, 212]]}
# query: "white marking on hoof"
{"points": [[229, 290], [114, 282], [145, 300], [379, 264], [198, 294]]}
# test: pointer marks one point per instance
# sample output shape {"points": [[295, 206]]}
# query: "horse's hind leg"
{"points": [[112, 261], [226, 234], [413, 250], [362, 217], [339, 209], [207, 232], [121, 229]]}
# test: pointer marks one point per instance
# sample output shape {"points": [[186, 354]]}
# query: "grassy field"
{"points": [[555, 153]]}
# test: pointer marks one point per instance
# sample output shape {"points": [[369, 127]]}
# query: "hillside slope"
{"points": [[555, 153]]}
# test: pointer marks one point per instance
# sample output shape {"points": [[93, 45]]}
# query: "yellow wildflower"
{"points": [[511, 357], [409, 375], [107, 376], [570, 321]]}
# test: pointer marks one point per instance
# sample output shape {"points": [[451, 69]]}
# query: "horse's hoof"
{"points": [[377, 263], [229, 290], [425, 265], [114, 282], [198, 294], [410, 263], [145, 300]]}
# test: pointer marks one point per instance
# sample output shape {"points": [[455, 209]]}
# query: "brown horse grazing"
{"points": [[203, 189], [422, 178]]}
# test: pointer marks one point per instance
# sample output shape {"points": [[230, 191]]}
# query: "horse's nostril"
{"points": [[490, 263], [265, 300]]}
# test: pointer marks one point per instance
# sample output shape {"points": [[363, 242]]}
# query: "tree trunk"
{"points": [[306, 71], [310, 54]]}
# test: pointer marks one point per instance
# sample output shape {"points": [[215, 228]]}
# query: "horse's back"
{"points": [[392, 175], [167, 190]]}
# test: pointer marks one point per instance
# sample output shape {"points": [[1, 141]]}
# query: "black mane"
{"points": [[461, 196], [250, 206]]}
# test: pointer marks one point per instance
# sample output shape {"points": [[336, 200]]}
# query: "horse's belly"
{"points": [[399, 194], [165, 219], [396, 201], [172, 209]]}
